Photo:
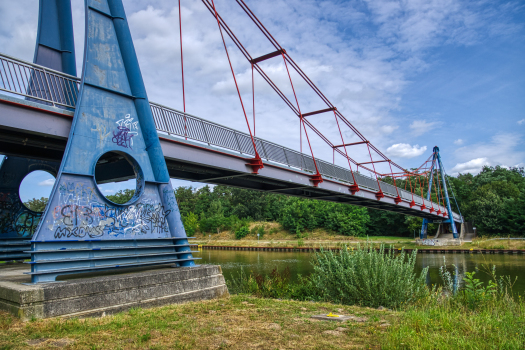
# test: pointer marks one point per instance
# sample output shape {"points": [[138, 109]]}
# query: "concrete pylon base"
{"points": [[104, 295]]}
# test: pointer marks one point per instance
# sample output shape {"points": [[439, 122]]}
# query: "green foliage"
{"points": [[494, 200], [122, 196], [35, 204], [475, 294], [242, 232], [368, 277], [191, 223], [300, 215], [260, 231], [363, 276]]}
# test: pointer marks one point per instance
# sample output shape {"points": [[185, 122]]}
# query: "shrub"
{"points": [[260, 231], [191, 223], [368, 277], [242, 232]]}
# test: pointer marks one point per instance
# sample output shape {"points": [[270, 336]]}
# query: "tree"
{"points": [[35, 204], [122, 196]]}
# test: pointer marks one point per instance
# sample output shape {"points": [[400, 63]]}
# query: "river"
{"points": [[263, 262]]}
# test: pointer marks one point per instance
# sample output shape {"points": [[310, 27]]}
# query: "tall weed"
{"points": [[368, 277]]}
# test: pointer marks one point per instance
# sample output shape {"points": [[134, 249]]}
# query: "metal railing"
{"points": [[37, 82], [52, 87]]}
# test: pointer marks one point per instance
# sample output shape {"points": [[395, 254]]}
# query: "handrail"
{"points": [[52, 87], [38, 83]]}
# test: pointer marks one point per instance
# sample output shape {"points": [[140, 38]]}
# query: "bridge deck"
{"points": [[212, 154]]}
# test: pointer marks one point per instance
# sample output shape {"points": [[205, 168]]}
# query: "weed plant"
{"points": [[473, 316], [361, 276], [368, 277]]}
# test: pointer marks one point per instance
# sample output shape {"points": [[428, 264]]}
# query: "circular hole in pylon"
{"points": [[35, 189], [117, 177]]}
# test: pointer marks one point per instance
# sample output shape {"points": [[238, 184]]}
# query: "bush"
{"points": [[367, 277], [191, 223], [242, 232]]}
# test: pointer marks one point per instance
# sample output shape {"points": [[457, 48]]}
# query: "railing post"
{"points": [[205, 133], [47, 82], [286, 157], [237, 140], [164, 118]]}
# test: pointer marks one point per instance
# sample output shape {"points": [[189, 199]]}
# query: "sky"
{"points": [[409, 74]]}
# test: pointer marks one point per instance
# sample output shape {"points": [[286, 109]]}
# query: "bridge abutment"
{"points": [[105, 295]]}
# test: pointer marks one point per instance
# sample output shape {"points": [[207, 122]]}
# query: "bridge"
{"points": [[42, 119]]}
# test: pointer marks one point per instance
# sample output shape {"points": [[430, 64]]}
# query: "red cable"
{"points": [[235, 80], [253, 100], [298, 108], [344, 146]]}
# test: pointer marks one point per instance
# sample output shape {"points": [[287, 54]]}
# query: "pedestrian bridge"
{"points": [[36, 112]]}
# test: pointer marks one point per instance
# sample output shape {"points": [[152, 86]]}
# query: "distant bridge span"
{"points": [[194, 149]]}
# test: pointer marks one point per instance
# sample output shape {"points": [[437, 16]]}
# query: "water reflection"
{"points": [[232, 261]]}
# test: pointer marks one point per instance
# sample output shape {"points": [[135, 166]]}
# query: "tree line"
{"points": [[494, 200]]}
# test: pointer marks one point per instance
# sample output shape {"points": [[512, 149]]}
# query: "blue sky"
{"points": [[409, 74]]}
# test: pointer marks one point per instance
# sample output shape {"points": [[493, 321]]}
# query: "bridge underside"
{"points": [[33, 130]]}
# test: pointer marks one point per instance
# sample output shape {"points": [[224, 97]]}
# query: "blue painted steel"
{"points": [[424, 228], [447, 200], [55, 45], [18, 223], [55, 49], [436, 161], [112, 115]]}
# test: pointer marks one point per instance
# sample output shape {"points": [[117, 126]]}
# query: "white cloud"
{"points": [[404, 150], [473, 166], [360, 54], [521, 121], [419, 127], [458, 142], [504, 149], [48, 182]]}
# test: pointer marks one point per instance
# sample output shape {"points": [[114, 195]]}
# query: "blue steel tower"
{"points": [[112, 130], [438, 166]]}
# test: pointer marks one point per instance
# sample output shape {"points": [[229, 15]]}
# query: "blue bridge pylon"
{"points": [[80, 230], [437, 167]]}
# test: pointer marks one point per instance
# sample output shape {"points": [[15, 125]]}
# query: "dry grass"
{"points": [[276, 236], [487, 243], [238, 322]]}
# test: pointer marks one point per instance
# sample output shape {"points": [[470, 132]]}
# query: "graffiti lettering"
{"points": [[97, 220], [124, 134], [15, 218]]}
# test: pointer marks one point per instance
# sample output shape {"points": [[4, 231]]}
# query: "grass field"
{"points": [[243, 322], [239, 322]]}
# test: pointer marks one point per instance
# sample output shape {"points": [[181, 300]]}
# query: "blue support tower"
{"points": [[55, 44], [436, 164], [55, 49], [81, 230]]}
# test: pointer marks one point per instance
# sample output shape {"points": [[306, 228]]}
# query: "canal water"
{"points": [[263, 262]]}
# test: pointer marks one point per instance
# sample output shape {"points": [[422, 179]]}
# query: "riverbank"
{"points": [[482, 246], [243, 322], [275, 237], [421, 249]]}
